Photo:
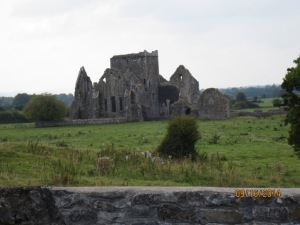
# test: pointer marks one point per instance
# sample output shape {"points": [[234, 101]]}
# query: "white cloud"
{"points": [[222, 43]]}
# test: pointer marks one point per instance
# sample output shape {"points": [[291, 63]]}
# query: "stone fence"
{"points": [[259, 113], [147, 205], [41, 124]]}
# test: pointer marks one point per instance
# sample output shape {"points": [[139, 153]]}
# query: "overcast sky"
{"points": [[223, 43]]}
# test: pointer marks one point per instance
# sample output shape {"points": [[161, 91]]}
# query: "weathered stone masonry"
{"points": [[144, 205], [133, 88]]}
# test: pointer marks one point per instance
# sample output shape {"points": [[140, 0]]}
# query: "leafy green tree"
{"points": [[241, 97], [21, 100], [12, 116], [277, 102], [45, 107], [182, 135], [240, 105], [291, 97]]}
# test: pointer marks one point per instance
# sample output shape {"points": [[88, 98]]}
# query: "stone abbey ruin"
{"points": [[133, 88]]}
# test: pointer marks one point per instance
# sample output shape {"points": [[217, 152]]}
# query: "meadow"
{"points": [[237, 152]]}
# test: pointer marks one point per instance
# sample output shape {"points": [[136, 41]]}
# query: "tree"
{"points": [[277, 102], [241, 97], [291, 98], [21, 100], [45, 107], [182, 135]]}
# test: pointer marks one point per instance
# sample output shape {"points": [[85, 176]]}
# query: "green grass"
{"points": [[267, 103], [241, 151]]}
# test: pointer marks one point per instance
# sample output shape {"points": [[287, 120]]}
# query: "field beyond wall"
{"points": [[238, 152]]}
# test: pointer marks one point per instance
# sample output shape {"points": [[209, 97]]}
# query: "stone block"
{"points": [[224, 216], [271, 214], [28, 205], [153, 199], [141, 212]]}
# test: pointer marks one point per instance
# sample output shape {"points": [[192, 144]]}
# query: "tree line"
{"points": [[11, 108], [267, 91]]}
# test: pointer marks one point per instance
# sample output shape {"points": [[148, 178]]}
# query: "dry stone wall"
{"points": [[144, 205], [41, 124]]}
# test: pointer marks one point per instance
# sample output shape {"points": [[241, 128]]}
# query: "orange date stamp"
{"points": [[257, 193]]}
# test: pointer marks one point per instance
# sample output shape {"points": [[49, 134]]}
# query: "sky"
{"points": [[223, 43]]}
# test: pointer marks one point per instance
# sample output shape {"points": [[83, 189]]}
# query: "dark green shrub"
{"points": [[240, 105], [12, 116], [45, 107], [182, 135], [245, 105], [214, 139]]}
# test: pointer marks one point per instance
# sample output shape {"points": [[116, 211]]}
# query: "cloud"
{"points": [[222, 43], [46, 8]]}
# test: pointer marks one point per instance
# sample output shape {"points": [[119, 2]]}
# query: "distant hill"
{"points": [[267, 91]]}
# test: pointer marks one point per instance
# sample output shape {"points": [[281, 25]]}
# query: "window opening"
{"points": [[105, 104], [113, 104]]}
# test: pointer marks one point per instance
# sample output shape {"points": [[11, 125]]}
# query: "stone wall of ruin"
{"points": [[146, 205], [40, 124], [82, 106], [139, 63], [260, 113], [133, 88], [188, 86], [213, 105]]}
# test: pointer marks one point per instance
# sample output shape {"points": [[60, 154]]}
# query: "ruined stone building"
{"points": [[213, 105], [133, 88]]}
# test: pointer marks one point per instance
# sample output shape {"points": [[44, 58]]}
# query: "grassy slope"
{"points": [[247, 152]]}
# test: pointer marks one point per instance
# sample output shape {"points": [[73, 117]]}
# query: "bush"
{"points": [[12, 116], [45, 107], [182, 135], [240, 105], [277, 102], [244, 105]]}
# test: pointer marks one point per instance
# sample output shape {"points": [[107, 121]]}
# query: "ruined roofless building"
{"points": [[133, 88]]}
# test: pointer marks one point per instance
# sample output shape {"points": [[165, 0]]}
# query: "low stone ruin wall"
{"points": [[259, 113], [41, 124], [146, 205]]}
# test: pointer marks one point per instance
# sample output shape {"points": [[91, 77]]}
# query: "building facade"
{"points": [[133, 88]]}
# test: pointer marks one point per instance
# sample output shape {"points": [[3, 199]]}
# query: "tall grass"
{"points": [[238, 152]]}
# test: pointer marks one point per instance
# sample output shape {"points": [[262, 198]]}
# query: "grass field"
{"points": [[241, 151], [267, 103]]}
